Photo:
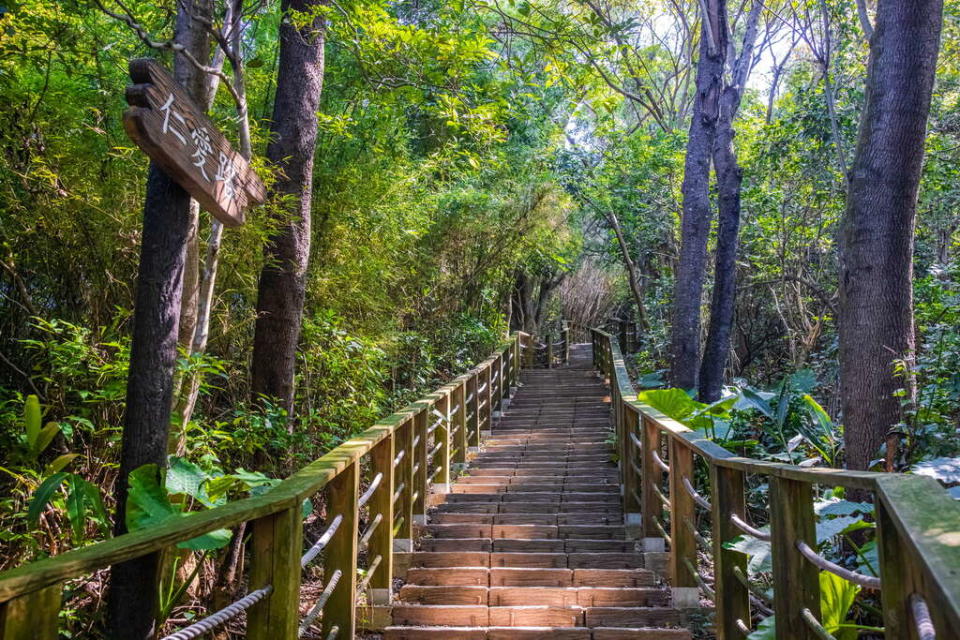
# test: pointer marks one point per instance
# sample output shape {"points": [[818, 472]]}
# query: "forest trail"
{"points": [[530, 542]]}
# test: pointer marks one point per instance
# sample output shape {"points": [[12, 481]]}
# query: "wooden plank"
{"points": [[404, 505], [381, 502], [732, 599], [421, 463], [919, 538], [652, 477], [175, 133], [277, 544], [341, 553], [683, 545], [33, 616], [796, 581], [458, 419]]}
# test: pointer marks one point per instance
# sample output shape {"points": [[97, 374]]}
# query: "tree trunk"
{"points": [[876, 292], [695, 223], [282, 285], [166, 221], [729, 178], [167, 227]]}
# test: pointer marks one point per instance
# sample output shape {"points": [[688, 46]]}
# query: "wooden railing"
{"points": [[551, 353], [917, 525], [405, 456]]}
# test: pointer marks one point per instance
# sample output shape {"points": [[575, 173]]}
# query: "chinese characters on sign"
{"points": [[164, 122]]}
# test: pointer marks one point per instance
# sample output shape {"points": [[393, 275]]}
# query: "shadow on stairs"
{"points": [[530, 541]]}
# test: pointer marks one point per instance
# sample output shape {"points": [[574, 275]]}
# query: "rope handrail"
{"points": [[222, 616], [699, 499], [818, 629], [377, 479], [368, 532], [741, 524], [399, 491], [662, 530], [700, 580], [321, 542], [921, 618], [399, 457], [371, 570], [663, 498], [317, 608], [659, 461], [865, 581]]}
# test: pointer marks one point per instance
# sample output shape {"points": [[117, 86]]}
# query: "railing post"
{"points": [[732, 598], [652, 477], [683, 544], [474, 421], [566, 345], [488, 395], [549, 351], [631, 461], [381, 502], [796, 581], [277, 542], [403, 541], [530, 353], [458, 417], [33, 616], [340, 555], [421, 464], [441, 483]]}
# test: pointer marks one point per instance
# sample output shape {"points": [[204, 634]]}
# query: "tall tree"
{"points": [[729, 179], [695, 220], [166, 228], [876, 278], [282, 285]]}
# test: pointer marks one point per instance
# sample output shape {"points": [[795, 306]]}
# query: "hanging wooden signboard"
{"points": [[169, 127]]}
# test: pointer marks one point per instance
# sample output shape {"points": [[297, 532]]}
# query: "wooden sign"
{"points": [[166, 123]]}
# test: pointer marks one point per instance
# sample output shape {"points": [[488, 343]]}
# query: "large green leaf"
{"points": [[147, 502], [184, 477], [836, 598], [760, 552], [674, 403]]}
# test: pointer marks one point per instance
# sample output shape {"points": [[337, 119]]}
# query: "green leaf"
{"points": [[76, 514], [42, 496], [46, 436], [836, 598], [766, 630], [60, 463], [675, 403], [760, 552], [147, 501], [184, 477], [31, 420], [750, 399], [209, 541]]}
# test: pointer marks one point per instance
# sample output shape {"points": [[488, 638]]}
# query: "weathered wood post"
{"points": [[420, 465], [340, 555], [474, 404], [632, 507], [683, 544], [381, 503], [732, 598], [488, 395], [441, 459], [32, 616], [566, 344], [796, 581], [549, 351], [277, 544], [652, 477], [403, 541], [458, 417]]}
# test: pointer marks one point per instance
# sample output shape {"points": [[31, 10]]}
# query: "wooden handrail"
{"points": [[400, 471], [918, 523]]}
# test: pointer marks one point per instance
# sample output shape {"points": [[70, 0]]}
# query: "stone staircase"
{"points": [[530, 543]]}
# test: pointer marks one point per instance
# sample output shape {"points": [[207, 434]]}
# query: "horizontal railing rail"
{"points": [[917, 523], [405, 456]]}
